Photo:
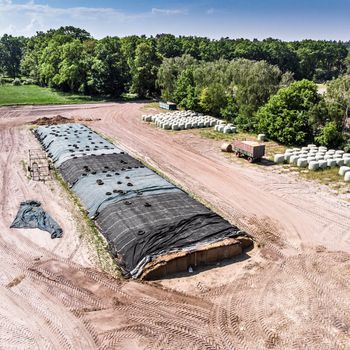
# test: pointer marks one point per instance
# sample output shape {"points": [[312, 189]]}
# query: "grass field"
{"points": [[36, 95]]}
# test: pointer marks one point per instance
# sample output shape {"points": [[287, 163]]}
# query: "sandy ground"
{"points": [[290, 292]]}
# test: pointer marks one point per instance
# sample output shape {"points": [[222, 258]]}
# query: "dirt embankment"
{"points": [[290, 293]]}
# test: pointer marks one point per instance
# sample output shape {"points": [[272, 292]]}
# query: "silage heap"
{"points": [[142, 216]]}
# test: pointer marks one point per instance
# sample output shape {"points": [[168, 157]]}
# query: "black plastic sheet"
{"points": [[72, 170], [142, 228]]}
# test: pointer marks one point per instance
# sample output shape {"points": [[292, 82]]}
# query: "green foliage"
{"points": [[285, 118], [11, 51], [330, 136], [213, 99], [338, 94], [145, 70], [109, 71]]}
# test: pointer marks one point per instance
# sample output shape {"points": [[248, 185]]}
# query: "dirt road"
{"points": [[290, 293]]}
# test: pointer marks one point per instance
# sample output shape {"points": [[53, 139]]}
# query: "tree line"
{"points": [[250, 82]]}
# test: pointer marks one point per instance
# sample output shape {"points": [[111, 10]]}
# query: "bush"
{"points": [[330, 136], [346, 146], [16, 82], [2, 81]]}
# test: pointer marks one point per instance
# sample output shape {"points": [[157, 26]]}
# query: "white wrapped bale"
{"points": [[339, 151], [313, 165], [343, 170], [216, 127], [347, 176], [261, 137], [328, 156], [319, 157], [337, 156], [322, 164], [221, 128], [340, 162], [287, 156], [200, 124], [175, 127], [227, 130], [311, 145], [331, 163], [346, 161], [310, 159], [279, 158], [302, 163], [233, 129], [289, 150], [346, 155], [330, 151], [294, 160]]}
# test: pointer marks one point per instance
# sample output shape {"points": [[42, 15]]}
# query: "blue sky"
{"points": [[284, 19]]}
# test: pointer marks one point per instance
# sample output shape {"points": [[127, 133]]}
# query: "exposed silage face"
{"points": [[141, 215]]}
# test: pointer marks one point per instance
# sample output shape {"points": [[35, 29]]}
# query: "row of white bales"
{"points": [[314, 158], [182, 120]]}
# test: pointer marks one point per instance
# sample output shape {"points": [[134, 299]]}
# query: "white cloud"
{"points": [[169, 12], [27, 18]]}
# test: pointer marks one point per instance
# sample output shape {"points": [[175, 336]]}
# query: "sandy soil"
{"points": [[290, 292]]}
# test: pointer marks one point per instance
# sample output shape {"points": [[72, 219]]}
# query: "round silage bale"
{"points": [[311, 145], [261, 137], [313, 165], [293, 159], [226, 147], [182, 126], [343, 170], [200, 124], [310, 159], [346, 161], [346, 155], [188, 126], [212, 123], [279, 158], [347, 176], [221, 128], [322, 149], [339, 151], [331, 151], [175, 127], [331, 163], [322, 164], [289, 150], [340, 161], [233, 129], [302, 162], [227, 130], [328, 156], [337, 156], [319, 157], [296, 149], [194, 125], [287, 156]]}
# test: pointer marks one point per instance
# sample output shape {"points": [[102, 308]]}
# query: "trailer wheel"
{"points": [[238, 155], [250, 159]]}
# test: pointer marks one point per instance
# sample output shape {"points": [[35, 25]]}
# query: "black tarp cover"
{"points": [[72, 170], [32, 215], [146, 227]]}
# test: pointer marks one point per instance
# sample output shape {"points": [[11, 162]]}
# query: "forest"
{"points": [[265, 86]]}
